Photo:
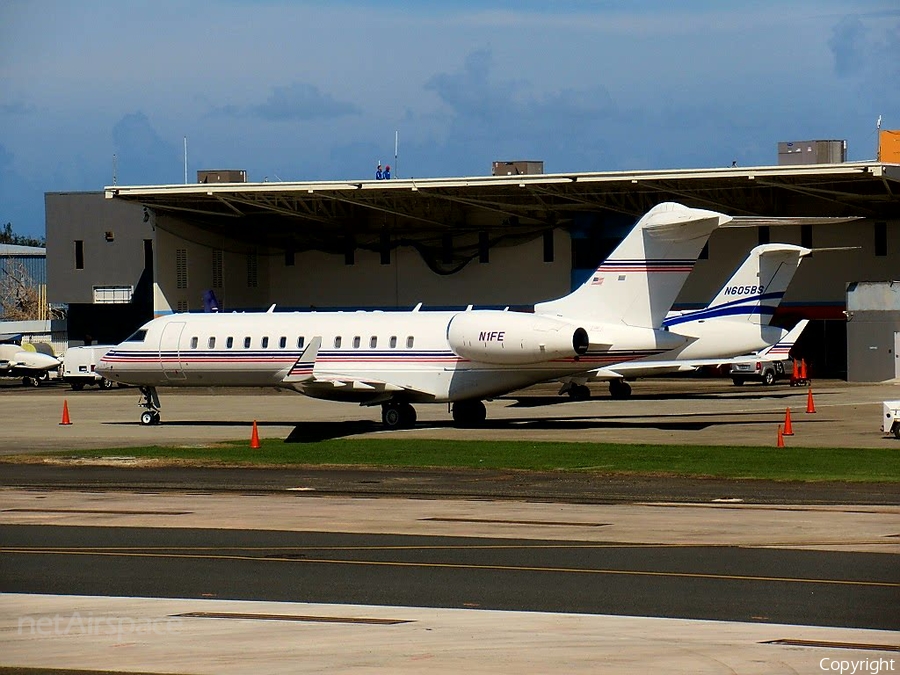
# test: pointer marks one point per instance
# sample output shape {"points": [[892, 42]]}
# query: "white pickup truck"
{"points": [[891, 421], [79, 364]]}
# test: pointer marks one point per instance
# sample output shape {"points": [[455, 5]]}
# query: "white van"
{"points": [[79, 364]]}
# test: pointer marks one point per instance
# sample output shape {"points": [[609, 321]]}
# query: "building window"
{"points": [[79, 254], [211, 343], [218, 268], [764, 235], [229, 343], [113, 295], [484, 248], [181, 268], [881, 239], [148, 255], [548, 246], [252, 270], [806, 238]]}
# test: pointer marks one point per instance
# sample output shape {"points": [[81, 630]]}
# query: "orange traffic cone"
{"points": [[254, 438], [65, 418], [780, 443], [810, 404], [788, 427], [803, 369]]}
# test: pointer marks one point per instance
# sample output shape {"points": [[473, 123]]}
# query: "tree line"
{"points": [[7, 236]]}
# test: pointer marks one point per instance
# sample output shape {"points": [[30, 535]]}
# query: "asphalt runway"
{"points": [[855, 590]]}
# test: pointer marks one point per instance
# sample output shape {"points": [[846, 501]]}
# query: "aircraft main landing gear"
{"points": [[471, 413], [150, 401], [398, 415], [619, 389]]}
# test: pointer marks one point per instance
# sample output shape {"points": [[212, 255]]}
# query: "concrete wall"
{"points": [[87, 216]]}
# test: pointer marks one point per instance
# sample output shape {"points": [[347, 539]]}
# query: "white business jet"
{"points": [[395, 359], [736, 322], [27, 363]]}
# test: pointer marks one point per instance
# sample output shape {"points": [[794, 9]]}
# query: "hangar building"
{"points": [[131, 252]]}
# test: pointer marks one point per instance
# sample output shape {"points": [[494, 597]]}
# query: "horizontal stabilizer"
{"points": [[302, 370], [782, 348]]}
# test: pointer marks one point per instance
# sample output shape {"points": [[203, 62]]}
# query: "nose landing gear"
{"points": [[150, 401]]}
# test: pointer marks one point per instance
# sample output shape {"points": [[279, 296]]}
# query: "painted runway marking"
{"points": [[454, 566]]}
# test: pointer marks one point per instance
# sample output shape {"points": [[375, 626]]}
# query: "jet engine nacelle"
{"points": [[511, 338]]}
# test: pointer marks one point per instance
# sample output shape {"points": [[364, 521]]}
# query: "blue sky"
{"points": [[310, 91]]}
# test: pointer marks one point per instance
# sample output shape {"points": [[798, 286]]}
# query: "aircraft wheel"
{"points": [[391, 417], [619, 389], [579, 392], [106, 384], [407, 416], [31, 381], [470, 413], [149, 417]]}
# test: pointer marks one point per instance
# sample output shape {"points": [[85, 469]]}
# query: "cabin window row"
{"points": [[301, 342]]}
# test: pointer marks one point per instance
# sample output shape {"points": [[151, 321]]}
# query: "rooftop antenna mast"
{"points": [[396, 147], [185, 160], [878, 139], [115, 168]]}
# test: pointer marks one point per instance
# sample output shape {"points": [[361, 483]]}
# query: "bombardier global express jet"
{"points": [[397, 359]]}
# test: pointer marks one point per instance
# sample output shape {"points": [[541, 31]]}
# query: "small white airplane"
{"points": [[32, 366], [735, 323], [395, 359]]}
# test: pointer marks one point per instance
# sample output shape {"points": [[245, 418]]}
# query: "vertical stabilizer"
{"points": [[755, 289], [640, 280]]}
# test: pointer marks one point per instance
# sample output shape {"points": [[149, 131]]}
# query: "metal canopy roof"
{"points": [[323, 213]]}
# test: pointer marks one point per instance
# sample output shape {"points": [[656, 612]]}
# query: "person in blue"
{"points": [[378, 173], [387, 172]]}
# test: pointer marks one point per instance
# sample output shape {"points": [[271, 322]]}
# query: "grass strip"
{"points": [[788, 464]]}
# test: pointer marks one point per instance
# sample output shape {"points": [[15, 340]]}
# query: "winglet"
{"points": [[302, 370]]}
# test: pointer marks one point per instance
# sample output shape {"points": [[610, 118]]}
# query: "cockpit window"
{"points": [[138, 336]]}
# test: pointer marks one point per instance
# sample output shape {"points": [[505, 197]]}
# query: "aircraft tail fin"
{"points": [[640, 280], [782, 348], [302, 370], [755, 289]]}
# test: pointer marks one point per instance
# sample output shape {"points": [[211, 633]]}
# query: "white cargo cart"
{"points": [[891, 421]]}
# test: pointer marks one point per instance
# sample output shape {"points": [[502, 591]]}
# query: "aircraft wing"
{"points": [[304, 378]]}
